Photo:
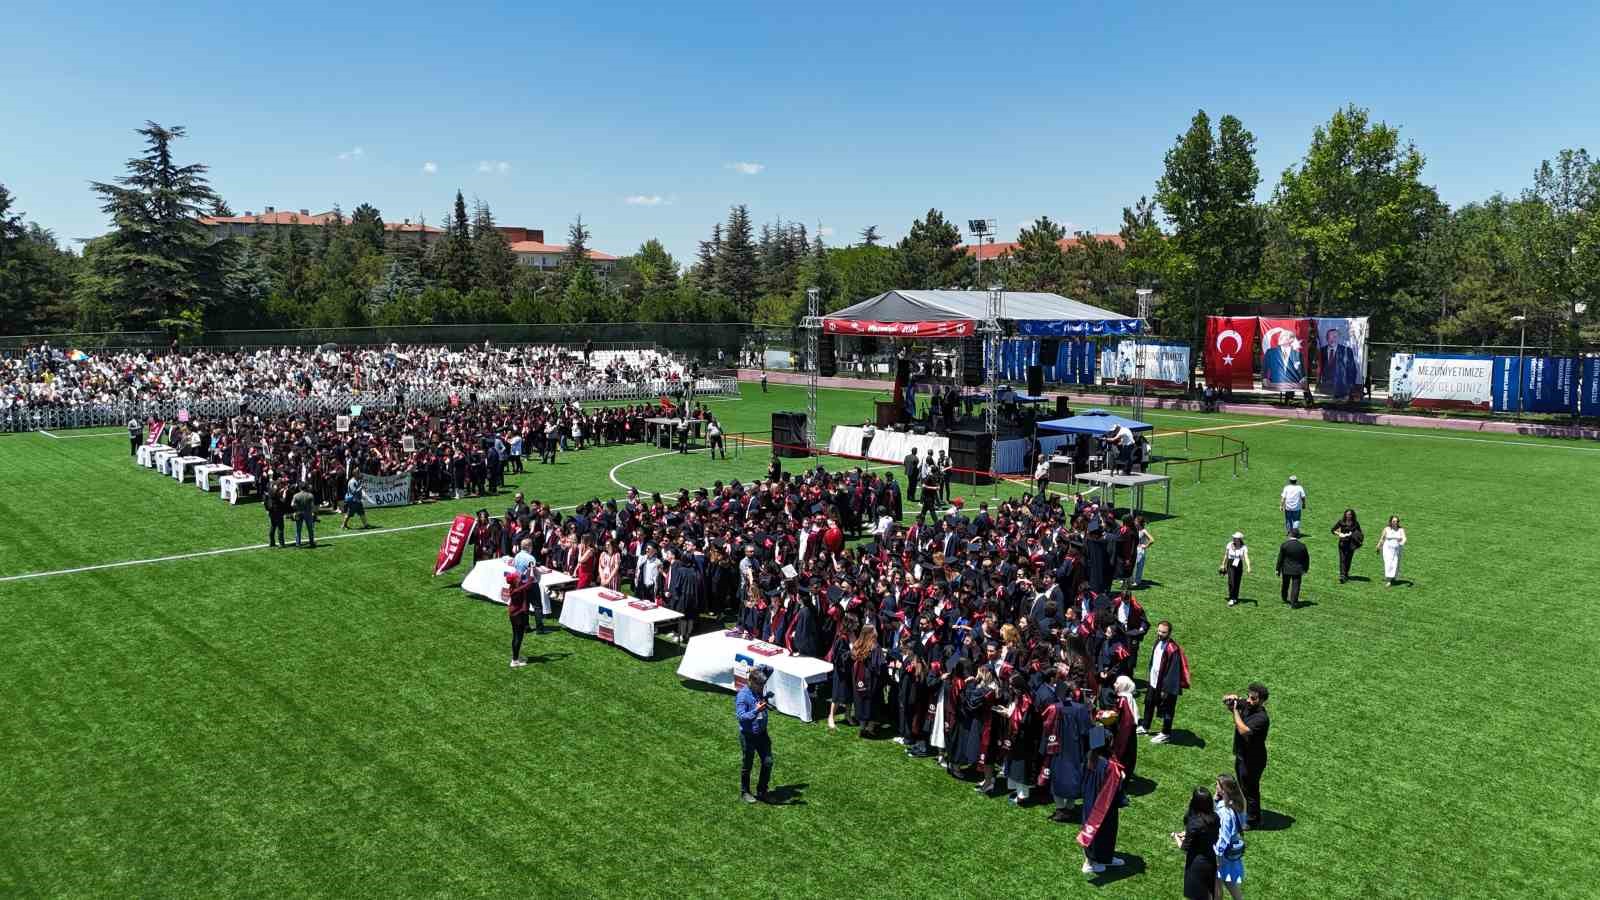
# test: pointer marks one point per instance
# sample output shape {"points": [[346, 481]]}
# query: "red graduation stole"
{"points": [[788, 633], [1183, 660], [1102, 803]]}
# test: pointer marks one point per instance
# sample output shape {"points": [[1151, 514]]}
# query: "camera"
{"points": [[1232, 702]]}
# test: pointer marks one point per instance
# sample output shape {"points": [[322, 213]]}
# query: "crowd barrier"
{"points": [[98, 415]]}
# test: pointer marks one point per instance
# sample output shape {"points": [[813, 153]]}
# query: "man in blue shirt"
{"points": [[750, 708]]}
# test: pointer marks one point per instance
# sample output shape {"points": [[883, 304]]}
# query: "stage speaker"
{"points": [[888, 413], [827, 364], [1063, 407], [972, 362], [1036, 380], [902, 371], [789, 435], [1049, 349], [969, 451]]}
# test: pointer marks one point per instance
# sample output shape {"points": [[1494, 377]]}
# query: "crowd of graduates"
{"points": [[1004, 641]]}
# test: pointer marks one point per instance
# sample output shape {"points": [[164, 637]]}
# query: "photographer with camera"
{"points": [[750, 708], [1250, 726]]}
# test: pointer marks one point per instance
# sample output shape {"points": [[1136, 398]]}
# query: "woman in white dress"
{"points": [[1391, 544]]}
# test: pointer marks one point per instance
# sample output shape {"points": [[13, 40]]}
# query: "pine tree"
{"points": [[869, 236], [738, 269], [705, 269], [458, 266], [159, 266], [366, 225], [496, 264]]}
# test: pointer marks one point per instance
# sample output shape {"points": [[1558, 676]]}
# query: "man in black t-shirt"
{"points": [[1250, 726]]}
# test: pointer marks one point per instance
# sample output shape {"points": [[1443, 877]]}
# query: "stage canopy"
{"points": [[956, 314], [1093, 422]]}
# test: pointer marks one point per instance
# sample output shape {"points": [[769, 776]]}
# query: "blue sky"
{"points": [[650, 120]]}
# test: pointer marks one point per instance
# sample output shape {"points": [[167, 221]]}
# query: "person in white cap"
{"points": [[1235, 565], [1293, 502]]}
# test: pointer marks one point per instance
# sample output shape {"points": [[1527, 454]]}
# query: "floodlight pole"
{"points": [[812, 324], [1138, 353]]}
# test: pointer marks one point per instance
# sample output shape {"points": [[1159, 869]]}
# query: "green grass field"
{"points": [[282, 723]]}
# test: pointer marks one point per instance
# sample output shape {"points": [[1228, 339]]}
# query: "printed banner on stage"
{"points": [[1341, 357], [1229, 359], [386, 490], [955, 328], [1591, 386], [1165, 365], [1549, 384], [1443, 381], [1284, 343], [1075, 362], [1077, 327], [455, 543]]}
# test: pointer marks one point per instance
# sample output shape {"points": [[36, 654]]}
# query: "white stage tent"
{"points": [[956, 314]]}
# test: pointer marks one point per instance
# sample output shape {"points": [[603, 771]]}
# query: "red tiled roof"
{"points": [[556, 249], [291, 217], [992, 251]]}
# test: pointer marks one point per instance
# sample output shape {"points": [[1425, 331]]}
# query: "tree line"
{"points": [[1350, 229]]}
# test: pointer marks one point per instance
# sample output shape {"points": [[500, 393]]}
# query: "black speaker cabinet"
{"points": [[1049, 350], [827, 364], [1063, 406], [902, 370], [1036, 380], [789, 435], [969, 453], [972, 362]]}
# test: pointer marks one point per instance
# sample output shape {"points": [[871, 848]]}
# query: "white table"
{"points": [[236, 486], [145, 455], [159, 458], [887, 446], [488, 580], [1110, 481], [179, 468], [204, 476], [615, 621], [716, 658]]}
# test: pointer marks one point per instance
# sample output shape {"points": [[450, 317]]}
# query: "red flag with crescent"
{"points": [[1229, 340]]}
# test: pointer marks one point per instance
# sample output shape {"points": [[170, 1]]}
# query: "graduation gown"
{"points": [[972, 724], [1063, 741], [1097, 563], [683, 590], [843, 685], [1102, 848], [868, 681]]}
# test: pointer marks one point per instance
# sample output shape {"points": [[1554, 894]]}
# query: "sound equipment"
{"points": [[969, 450], [972, 362], [902, 371], [869, 346], [827, 364], [1036, 380], [1049, 350], [789, 435], [1063, 407]]}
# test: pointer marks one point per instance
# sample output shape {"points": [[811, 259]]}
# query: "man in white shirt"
{"points": [[1293, 502]]}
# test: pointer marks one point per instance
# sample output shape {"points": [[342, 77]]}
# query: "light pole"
{"points": [[1144, 310], [1522, 343]]}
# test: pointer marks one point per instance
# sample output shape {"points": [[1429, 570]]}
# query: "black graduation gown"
{"points": [[1097, 563], [803, 631], [972, 714], [843, 685], [1069, 725], [1104, 845], [868, 680], [911, 693], [683, 590]]}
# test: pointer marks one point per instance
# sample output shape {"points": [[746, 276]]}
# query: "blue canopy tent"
{"points": [[1093, 422]]}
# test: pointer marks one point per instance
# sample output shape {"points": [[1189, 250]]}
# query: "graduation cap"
{"points": [[1098, 737]]}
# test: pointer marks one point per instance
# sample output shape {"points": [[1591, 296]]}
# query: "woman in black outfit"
{"points": [[1197, 840], [1348, 530]]}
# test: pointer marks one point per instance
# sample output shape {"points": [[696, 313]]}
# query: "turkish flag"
{"points": [[1229, 340]]}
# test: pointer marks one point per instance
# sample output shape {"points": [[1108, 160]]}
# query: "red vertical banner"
{"points": [[455, 543], [1230, 344]]}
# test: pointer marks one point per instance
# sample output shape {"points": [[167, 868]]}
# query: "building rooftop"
{"points": [[992, 251]]}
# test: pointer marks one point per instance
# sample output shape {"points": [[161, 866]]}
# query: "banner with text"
{"points": [[455, 543], [1341, 357], [1591, 386], [1442, 381], [1075, 362], [1550, 384], [1284, 344], [1164, 365], [386, 490]]}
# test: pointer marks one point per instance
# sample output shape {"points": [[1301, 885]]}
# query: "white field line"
{"points": [[74, 437], [1226, 427], [224, 550], [1382, 431], [49, 435]]}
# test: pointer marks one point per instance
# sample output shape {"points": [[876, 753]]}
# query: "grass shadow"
{"points": [[1303, 604], [1139, 786], [1132, 864], [788, 794], [540, 658], [1274, 821], [1183, 737]]}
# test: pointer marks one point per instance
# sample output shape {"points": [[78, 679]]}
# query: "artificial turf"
{"points": [[281, 723]]}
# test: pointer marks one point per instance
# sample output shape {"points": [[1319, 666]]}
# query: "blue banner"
{"points": [[1076, 362], [1550, 384], [1503, 383], [1078, 327], [1591, 386]]}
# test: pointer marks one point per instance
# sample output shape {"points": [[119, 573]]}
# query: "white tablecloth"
{"points": [[233, 487], [179, 468], [887, 446], [488, 580], [631, 629], [145, 455], [206, 476], [160, 457], [712, 658]]}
